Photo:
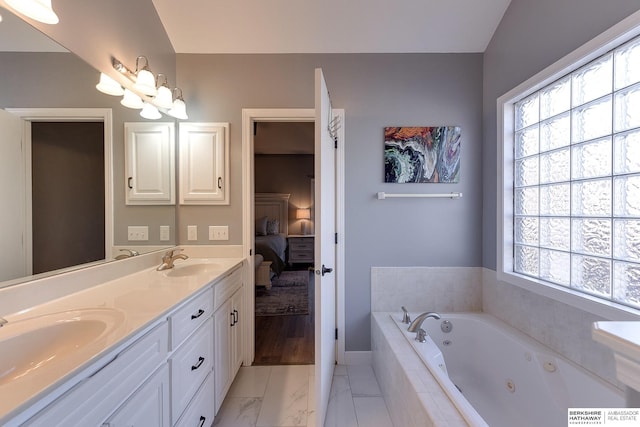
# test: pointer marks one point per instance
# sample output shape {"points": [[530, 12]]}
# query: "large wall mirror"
{"points": [[36, 73]]}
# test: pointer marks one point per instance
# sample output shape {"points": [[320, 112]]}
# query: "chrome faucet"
{"points": [[128, 253], [3, 322], [416, 325], [169, 257], [405, 317]]}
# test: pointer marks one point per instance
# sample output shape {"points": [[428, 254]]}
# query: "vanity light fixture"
{"points": [[39, 10], [150, 111], [109, 86], [131, 100], [179, 108], [164, 98], [145, 80]]}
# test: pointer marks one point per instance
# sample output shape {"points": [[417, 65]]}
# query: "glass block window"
{"points": [[576, 170]]}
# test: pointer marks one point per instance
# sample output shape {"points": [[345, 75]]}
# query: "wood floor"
{"points": [[286, 340]]}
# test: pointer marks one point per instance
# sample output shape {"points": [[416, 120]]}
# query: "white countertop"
{"points": [[139, 300]]}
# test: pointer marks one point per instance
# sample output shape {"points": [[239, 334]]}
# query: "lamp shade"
{"points": [[131, 100], [146, 82], [303, 214], [109, 86], [39, 10], [179, 110], [149, 111], [164, 98]]}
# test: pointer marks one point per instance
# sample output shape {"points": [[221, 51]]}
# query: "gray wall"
{"points": [[531, 36], [375, 91]]}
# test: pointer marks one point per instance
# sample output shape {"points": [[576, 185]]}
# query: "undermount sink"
{"points": [[194, 268], [54, 341]]}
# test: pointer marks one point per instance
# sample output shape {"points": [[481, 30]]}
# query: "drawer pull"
{"points": [[197, 365], [233, 319], [195, 316], [235, 316], [202, 420]]}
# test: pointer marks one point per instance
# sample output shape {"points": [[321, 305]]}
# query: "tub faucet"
{"points": [[417, 322], [405, 317], [169, 257]]}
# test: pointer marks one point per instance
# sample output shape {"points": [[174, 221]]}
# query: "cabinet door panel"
{"points": [[204, 163], [223, 318], [149, 163]]}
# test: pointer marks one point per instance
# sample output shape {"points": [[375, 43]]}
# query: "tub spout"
{"points": [[417, 322]]}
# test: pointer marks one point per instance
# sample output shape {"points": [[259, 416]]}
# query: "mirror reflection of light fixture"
{"points": [[145, 80], [109, 86], [304, 215], [150, 111], [131, 100], [164, 98], [179, 108], [39, 10]]}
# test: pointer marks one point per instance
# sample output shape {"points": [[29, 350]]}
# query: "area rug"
{"points": [[289, 295]]}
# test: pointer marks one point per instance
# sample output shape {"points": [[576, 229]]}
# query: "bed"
{"points": [[271, 229]]}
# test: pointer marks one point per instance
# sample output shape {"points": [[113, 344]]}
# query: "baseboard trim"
{"points": [[358, 358]]}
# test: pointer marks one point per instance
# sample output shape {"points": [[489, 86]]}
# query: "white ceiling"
{"points": [[330, 26]]}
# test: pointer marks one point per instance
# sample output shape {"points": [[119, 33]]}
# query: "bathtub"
{"points": [[498, 377]]}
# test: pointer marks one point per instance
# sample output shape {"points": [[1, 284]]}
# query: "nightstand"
{"points": [[300, 249]]}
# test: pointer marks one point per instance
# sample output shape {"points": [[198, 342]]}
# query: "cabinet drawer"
{"points": [[301, 246], [90, 402], [227, 287], [192, 314], [190, 365], [200, 411], [305, 256]]}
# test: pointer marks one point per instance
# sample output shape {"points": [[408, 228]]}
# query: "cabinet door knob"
{"points": [[129, 182], [202, 420], [220, 182], [197, 365]]}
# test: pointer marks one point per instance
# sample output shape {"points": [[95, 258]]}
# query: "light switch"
{"points": [[192, 232], [165, 233]]}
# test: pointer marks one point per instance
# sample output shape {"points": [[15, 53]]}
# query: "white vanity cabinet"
{"points": [[94, 399], [228, 337], [191, 360], [204, 163], [149, 163]]}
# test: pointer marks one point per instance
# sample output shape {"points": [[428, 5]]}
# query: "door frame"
{"points": [[249, 117], [104, 115]]}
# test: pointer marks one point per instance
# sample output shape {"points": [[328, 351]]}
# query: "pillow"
{"points": [[261, 226], [273, 226]]}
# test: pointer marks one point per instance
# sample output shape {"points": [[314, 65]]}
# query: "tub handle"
{"points": [[421, 335], [405, 317]]}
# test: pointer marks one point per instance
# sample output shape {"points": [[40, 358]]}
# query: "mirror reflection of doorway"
{"points": [[68, 194]]}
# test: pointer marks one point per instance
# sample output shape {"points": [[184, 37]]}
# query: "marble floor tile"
{"points": [[372, 412], [251, 381], [340, 370], [238, 412], [285, 400], [363, 381], [341, 412]]}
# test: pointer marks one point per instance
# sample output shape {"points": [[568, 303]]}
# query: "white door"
{"points": [[325, 249], [13, 262]]}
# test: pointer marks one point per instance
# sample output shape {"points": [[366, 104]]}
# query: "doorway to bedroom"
{"points": [[284, 242]]}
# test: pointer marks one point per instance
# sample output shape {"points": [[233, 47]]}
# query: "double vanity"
{"points": [[146, 347]]}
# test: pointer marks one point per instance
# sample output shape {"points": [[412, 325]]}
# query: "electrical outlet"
{"points": [[137, 232], [165, 233], [218, 232], [192, 232]]}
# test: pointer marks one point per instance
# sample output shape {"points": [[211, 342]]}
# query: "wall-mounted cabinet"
{"points": [[204, 163], [150, 163]]}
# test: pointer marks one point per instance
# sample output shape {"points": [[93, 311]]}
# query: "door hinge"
{"points": [[336, 333], [336, 238]]}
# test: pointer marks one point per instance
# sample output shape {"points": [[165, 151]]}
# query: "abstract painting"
{"points": [[422, 154]]}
